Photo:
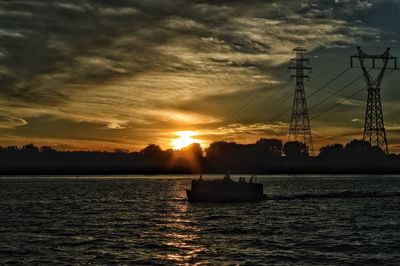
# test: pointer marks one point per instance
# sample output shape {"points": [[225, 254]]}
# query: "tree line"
{"points": [[266, 156]]}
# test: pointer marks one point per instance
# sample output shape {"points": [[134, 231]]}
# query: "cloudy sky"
{"points": [[99, 75]]}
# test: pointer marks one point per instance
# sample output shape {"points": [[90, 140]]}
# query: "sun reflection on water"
{"points": [[179, 236]]}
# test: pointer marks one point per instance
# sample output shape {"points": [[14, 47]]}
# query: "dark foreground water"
{"points": [[146, 220]]}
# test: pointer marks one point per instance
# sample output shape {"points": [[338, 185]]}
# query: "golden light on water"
{"points": [[180, 232], [184, 139]]}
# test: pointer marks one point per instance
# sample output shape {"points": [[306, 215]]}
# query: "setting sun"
{"points": [[185, 139]]}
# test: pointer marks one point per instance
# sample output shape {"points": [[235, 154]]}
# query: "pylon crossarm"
{"points": [[294, 60], [299, 67], [385, 55], [300, 76]]}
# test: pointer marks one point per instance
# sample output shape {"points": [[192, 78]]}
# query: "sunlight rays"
{"points": [[184, 140]]}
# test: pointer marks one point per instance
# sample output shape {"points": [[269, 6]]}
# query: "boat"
{"points": [[225, 190]]}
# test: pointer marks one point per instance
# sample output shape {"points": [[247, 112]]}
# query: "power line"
{"points": [[338, 103], [335, 93], [250, 102], [245, 107], [343, 100], [329, 82], [312, 94], [249, 107]]}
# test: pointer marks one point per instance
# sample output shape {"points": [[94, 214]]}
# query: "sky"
{"points": [[101, 75]]}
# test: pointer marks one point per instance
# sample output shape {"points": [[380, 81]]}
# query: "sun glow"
{"points": [[185, 139]]}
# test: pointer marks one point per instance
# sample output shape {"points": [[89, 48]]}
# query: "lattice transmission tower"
{"points": [[374, 128], [300, 129]]}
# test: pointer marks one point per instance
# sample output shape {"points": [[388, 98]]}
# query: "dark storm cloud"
{"points": [[53, 43], [67, 42], [46, 45]]}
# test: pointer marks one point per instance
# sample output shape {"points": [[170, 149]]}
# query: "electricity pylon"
{"points": [[300, 129], [374, 128]]}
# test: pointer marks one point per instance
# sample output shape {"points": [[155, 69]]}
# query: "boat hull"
{"points": [[223, 196], [224, 191]]}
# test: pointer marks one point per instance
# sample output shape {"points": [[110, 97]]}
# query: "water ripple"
{"points": [[145, 221]]}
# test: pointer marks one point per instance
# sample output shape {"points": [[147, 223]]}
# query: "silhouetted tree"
{"points": [[216, 149], [188, 159], [11, 149], [121, 151], [222, 155], [193, 150], [47, 149], [357, 147], [332, 151], [152, 151], [270, 147], [295, 149], [377, 152], [30, 148], [362, 148], [264, 156]]}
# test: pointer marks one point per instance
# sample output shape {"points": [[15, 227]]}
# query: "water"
{"points": [[147, 220]]}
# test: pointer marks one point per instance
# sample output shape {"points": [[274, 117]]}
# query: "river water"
{"points": [[140, 220]]}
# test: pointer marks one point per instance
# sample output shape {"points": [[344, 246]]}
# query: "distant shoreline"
{"points": [[121, 173], [265, 157]]}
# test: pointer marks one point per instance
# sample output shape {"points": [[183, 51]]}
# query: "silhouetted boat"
{"points": [[225, 190]]}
